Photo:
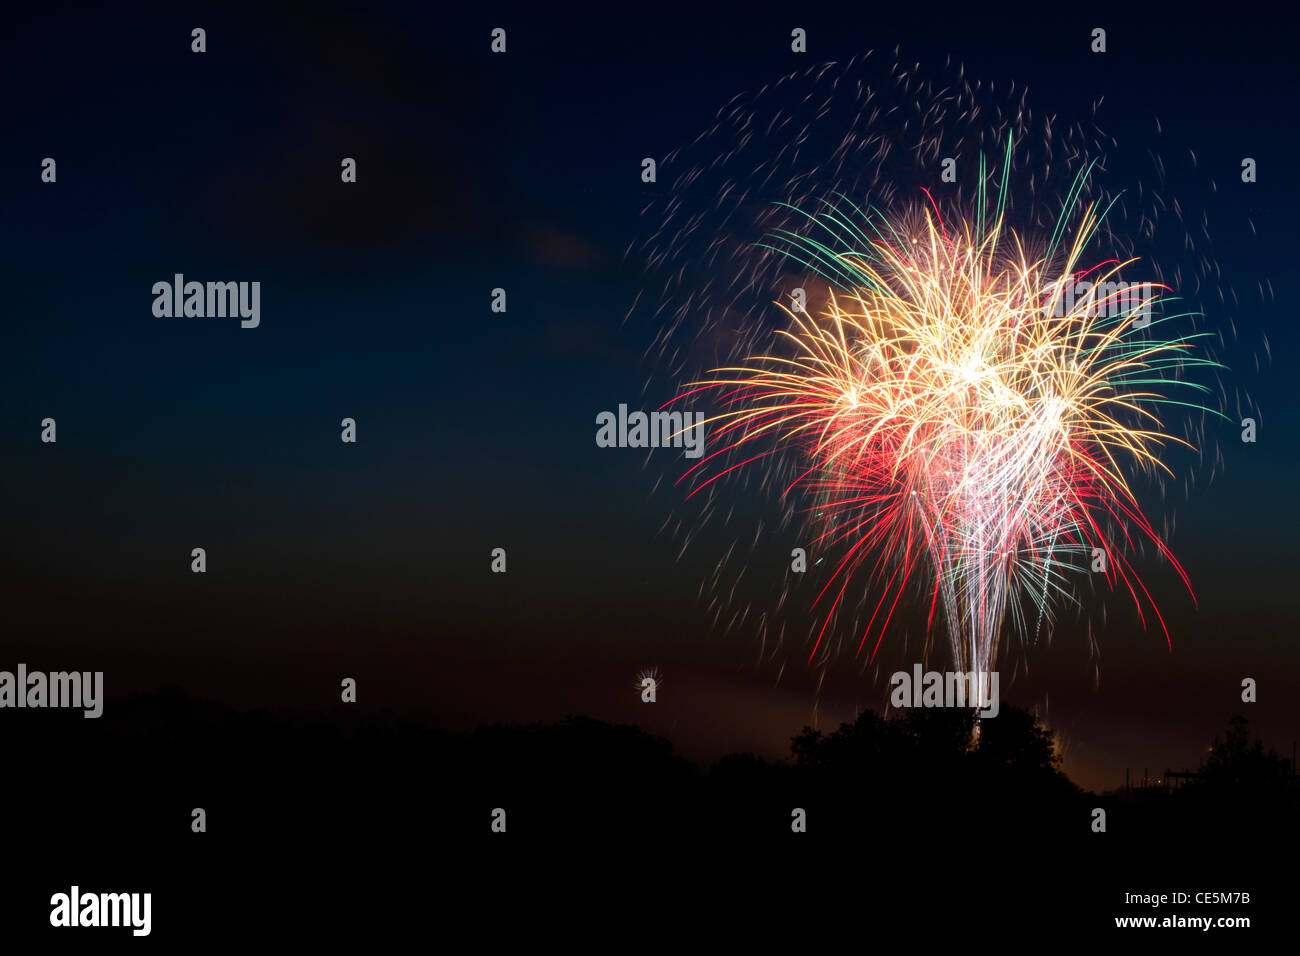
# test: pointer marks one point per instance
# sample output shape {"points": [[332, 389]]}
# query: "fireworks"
{"points": [[648, 682], [986, 405], [965, 414]]}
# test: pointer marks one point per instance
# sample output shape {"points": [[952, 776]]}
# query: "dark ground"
{"points": [[350, 823]]}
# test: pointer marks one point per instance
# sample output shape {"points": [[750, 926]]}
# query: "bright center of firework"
{"points": [[1053, 412]]}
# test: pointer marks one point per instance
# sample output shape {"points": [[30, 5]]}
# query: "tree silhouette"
{"points": [[1016, 739], [1240, 762]]}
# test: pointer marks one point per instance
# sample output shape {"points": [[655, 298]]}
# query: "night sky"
{"points": [[328, 560]]}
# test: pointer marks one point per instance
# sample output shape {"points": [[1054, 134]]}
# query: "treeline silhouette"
{"points": [[923, 773], [348, 817]]}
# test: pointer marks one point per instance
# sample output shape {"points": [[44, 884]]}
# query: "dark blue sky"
{"points": [[476, 429]]}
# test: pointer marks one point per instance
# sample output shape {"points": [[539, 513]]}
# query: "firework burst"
{"points": [[1000, 392], [961, 417]]}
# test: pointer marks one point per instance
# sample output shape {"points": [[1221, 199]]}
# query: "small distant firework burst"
{"points": [[651, 674], [960, 416]]}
